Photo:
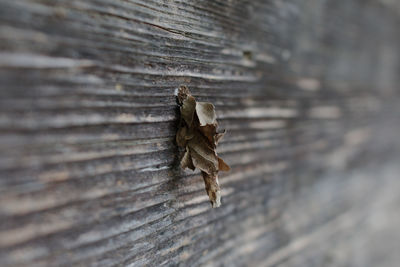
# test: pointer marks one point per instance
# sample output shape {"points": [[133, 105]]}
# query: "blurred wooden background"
{"points": [[308, 91]]}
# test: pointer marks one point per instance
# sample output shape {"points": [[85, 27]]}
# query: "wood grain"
{"points": [[307, 90]]}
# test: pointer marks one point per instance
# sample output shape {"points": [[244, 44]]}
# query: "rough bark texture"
{"points": [[308, 91]]}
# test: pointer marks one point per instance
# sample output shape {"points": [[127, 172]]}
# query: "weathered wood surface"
{"points": [[308, 91]]}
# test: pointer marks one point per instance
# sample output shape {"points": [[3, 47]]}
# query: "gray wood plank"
{"points": [[307, 90]]}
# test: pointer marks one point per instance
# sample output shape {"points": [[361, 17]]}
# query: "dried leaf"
{"points": [[187, 110], [200, 145], [222, 166], [180, 136], [189, 133], [212, 189], [209, 131], [206, 113], [218, 137], [207, 165], [183, 135], [186, 161], [198, 135]]}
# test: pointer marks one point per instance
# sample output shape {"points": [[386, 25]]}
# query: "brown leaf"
{"points": [[190, 133], [212, 189], [200, 146], [187, 110], [206, 113], [198, 135], [183, 135], [222, 166], [209, 131], [186, 161], [180, 136], [202, 164], [218, 137]]}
